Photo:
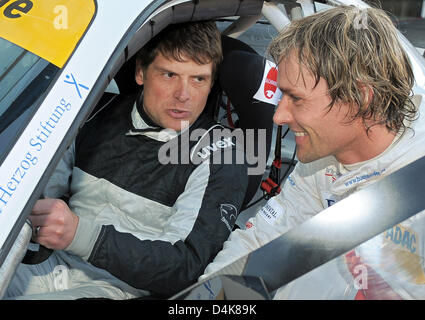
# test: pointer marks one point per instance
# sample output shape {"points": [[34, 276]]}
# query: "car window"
{"points": [[14, 64], [24, 77]]}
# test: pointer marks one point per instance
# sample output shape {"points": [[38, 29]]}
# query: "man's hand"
{"points": [[57, 223]]}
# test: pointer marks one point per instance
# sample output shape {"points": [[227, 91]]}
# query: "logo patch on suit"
{"points": [[271, 211], [229, 213]]}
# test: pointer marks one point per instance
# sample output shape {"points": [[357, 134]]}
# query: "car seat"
{"points": [[239, 78]]}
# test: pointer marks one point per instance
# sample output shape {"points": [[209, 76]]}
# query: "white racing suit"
{"points": [[389, 266]]}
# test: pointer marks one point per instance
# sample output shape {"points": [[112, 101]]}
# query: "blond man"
{"points": [[347, 96]]}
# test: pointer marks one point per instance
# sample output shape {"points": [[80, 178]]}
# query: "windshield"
{"points": [[24, 77]]}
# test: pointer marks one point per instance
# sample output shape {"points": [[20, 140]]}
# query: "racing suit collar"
{"points": [[344, 168], [142, 112], [356, 175], [142, 124], [140, 127]]}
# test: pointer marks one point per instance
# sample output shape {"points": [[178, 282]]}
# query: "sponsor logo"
{"points": [[331, 173], [49, 22], [364, 177], [270, 85], [14, 9], [291, 181], [224, 143], [250, 147], [229, 213], [268, 91], [402, 237], [76, 85], [271, 211], [29, 158]]}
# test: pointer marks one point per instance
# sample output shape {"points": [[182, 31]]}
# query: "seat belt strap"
{"points": [[271, 186]]}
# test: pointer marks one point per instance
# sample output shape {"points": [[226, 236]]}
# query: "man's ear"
{"points": [[139, 74]]}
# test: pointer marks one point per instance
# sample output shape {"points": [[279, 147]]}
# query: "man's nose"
{"points": [[283, 113], [182, 92]]}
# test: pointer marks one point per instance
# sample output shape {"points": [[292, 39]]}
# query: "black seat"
{"points": [[240, 77]]}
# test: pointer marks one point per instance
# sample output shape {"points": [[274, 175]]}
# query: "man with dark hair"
{"points": [[347, 96], [135, 226]]}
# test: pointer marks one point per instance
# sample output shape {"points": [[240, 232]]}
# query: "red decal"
{"points": [[270, 85]]}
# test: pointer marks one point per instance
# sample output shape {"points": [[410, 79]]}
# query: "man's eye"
{"points": [[199, 79], [293, 98], [168, 75]]}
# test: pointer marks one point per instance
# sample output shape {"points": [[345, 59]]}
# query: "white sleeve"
{"points": [[297, 202]]}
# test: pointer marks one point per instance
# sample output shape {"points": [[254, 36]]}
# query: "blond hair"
{"points": [[354, 50]]}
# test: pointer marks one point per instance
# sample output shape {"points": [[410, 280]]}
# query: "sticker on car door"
{"points": [[50, 29]]}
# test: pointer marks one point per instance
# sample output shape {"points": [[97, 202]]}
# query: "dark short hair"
{"points": [[199, 41]]}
